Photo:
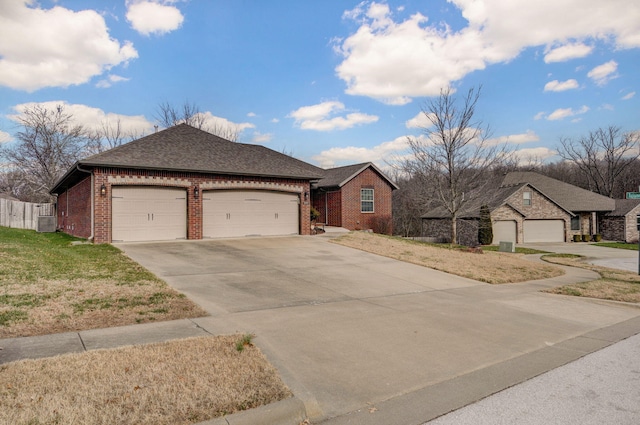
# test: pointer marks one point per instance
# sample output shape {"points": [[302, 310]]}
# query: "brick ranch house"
{"points": [[185, 183], [528, 207], [333, 195]]}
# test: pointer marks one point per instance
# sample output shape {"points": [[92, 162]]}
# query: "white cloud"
{"points": [[419, 121], [261, 137], [380, 154], [251, 114], [55, 47], [4, 137], [153, 17], [567, 52], [628, 95], [110, 80], [562, 113], [556, 85], [515, 139], [602, 74], [275, 120], [533, 156], [223, 125], [91, 117], [317, 117], [393, 61], [539, 116]]}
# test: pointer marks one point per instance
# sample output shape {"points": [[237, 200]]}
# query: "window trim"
{"points": [[367, 201], [526, 198]]}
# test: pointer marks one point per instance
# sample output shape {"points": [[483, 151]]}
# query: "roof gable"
{"points": [[339, 176], [567, 196], [624, 207]]}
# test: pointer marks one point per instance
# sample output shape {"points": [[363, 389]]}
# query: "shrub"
{"points": [[485, 230], [314, 214]]}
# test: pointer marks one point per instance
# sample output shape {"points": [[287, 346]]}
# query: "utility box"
{"points": [[46, 224], [506, 247]]}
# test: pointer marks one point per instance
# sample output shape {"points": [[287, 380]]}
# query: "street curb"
{"points": [[286, 412]]}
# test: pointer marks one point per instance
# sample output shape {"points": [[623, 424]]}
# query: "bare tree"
{"points": [[454, 154], [602, 156], [189, 113], [110, 135], [46, 146]]}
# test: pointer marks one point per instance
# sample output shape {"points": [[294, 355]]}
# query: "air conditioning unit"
{"points": [[46, 224]]}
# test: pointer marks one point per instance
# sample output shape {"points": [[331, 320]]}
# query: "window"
{"points": [[575, 223], [526, 198], [366, 200]]}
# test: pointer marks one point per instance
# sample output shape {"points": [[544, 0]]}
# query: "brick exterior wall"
{"points": [[329, 205], [74, 209], [380, 221], [79, 196], [440, 228], [622, 229]]}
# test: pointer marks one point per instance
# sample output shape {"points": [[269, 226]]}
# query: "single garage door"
{"points": [[504, 231], [544, 231], [235, 213], [148, 214]]}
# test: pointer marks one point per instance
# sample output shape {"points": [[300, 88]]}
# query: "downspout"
{"points": [[93, 200]]}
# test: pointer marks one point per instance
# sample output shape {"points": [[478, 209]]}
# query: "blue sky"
{"points": [[332, 82]]}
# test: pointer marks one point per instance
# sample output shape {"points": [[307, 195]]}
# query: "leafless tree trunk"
{"points": [[453, 154], [48, 144], [602, 156], [189, 113], [110, 135]]}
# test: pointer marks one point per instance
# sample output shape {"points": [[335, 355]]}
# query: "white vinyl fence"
{"points": [[23, 215]]}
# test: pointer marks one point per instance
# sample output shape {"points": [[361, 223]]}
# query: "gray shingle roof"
{"points": [[185, 148], [339, 176], [568, 196], [623, 207], [492, 197]]}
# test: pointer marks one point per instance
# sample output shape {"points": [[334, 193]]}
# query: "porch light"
{"points": [[196, 192], [103, 190], [306, 196]]}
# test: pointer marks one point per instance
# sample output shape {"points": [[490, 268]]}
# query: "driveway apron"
{"points": [[349, 330]]}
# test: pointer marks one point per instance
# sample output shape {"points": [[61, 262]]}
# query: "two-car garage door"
{"points": [[160, 213], [534, 231], [231, 213]]}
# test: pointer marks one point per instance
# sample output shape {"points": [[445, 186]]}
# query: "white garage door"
{"points": [[148, 214], [544, 231], [504, 231], [234, 213]]}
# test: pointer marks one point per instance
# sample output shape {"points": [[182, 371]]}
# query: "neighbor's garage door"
{"points": [[148, 214], [544, 231], [504, 231], [233, 213]]}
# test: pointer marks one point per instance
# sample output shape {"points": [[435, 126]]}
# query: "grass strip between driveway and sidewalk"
{"points": [[176, 382], [490, 267], [49, 285], [618, 245], [616, 285]]}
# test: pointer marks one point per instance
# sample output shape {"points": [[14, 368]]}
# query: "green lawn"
{"points": [[619, 245], [48, 285]]}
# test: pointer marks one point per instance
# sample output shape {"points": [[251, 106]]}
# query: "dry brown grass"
{"points": [[490, 267], [177, 382], [616, 285]]}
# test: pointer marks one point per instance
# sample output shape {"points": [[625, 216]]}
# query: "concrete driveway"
{"points": [[623, 259], [365, 339]]}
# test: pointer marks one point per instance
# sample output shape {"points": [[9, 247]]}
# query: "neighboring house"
{"points": [[526, 207], [355, 197], [185, 183], [621, 223]]}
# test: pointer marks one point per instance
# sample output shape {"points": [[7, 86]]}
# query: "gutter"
{"points": [[93, 200]]}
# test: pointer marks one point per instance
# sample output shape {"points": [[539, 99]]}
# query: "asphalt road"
{"points": [[600, 388]]}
